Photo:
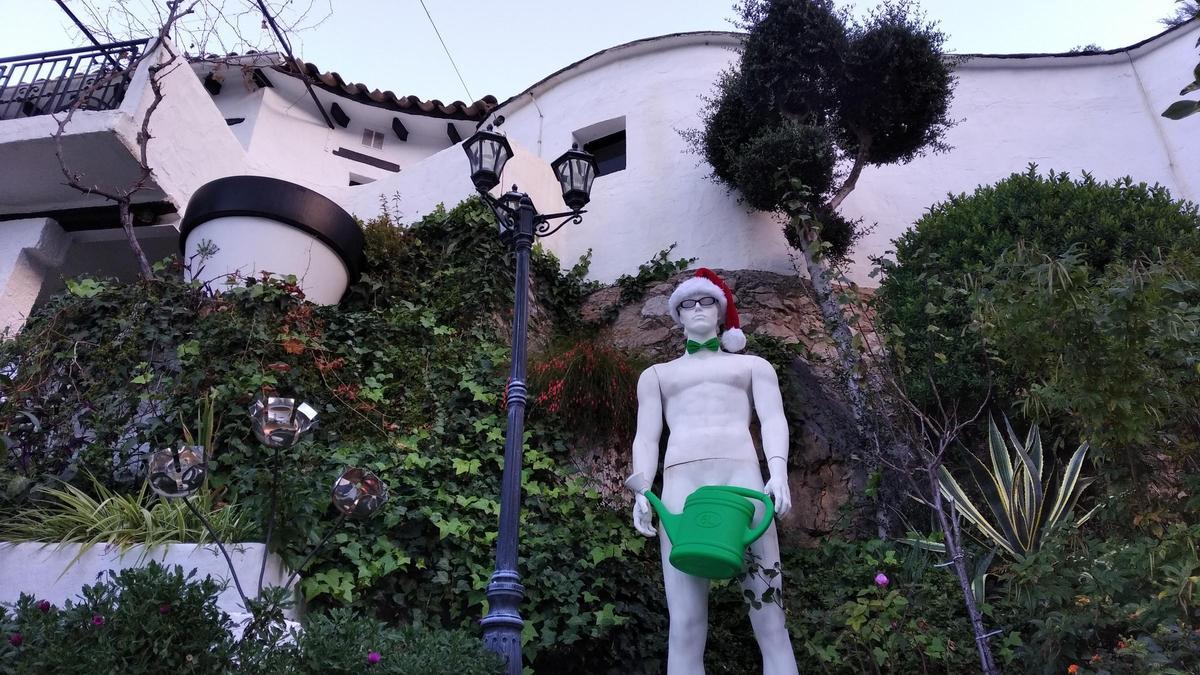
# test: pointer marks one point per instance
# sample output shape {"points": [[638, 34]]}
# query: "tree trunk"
{"points": [[127, 224], [835, 322]]}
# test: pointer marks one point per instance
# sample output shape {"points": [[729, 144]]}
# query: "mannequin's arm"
{"points": [[768, 405], [645, 448]]}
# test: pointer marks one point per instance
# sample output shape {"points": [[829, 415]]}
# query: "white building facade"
{"points": [[252, 115]]}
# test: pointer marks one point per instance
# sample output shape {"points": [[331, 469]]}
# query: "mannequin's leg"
{"points": [[769, 623], [687, 602]]}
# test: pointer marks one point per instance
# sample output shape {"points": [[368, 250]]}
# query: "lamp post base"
{"points": [[502, 625]]}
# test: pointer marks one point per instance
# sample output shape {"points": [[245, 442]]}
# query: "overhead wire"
{"points": [[447, 50]]}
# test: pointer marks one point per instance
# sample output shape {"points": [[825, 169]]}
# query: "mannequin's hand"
{"points": [[777, 490], [643, 521]]}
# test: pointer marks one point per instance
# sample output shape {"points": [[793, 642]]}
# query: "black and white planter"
{"points": [[260, 224]]}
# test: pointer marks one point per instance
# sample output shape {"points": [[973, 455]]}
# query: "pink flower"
{"points": [[15, 639], [97, 620], [164, 608], [373, 657], [881, 579], [44, 606]]}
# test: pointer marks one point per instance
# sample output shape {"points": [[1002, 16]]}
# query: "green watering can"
{"points": [[710, 537]]}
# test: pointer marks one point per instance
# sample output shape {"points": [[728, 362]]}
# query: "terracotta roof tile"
{"points": [[332, 82]]}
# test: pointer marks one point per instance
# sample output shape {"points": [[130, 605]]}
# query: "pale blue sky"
{"points": [[503, 47]]}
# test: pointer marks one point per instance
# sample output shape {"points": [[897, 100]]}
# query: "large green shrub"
{"points": [[940, 261], [1114, 353], [408, 376]]}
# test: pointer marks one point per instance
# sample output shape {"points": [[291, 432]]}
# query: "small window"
{"points": [[609, 151], [372, 139], [359, 179]]}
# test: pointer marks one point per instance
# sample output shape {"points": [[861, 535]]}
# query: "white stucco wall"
{"points": [[284, 130], [29, 249], [1098, 113]]}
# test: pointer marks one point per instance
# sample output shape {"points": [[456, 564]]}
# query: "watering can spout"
{"points": [[668, 520]]}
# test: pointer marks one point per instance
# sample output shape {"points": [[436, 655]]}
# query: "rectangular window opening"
{"points": [[609, 151], [372, 139]]}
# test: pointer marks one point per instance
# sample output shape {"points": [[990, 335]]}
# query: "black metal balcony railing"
{"points": [[50, 82]]}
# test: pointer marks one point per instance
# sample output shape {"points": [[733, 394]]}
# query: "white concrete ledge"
{"points": [[45, 570]]}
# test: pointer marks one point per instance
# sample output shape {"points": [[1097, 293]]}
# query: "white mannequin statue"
{"points": [[706, 396]]}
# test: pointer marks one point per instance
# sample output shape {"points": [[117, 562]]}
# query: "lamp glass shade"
{"points": [[175, 473], [575, 171], [358, 493], [488, 152], [280, 422]]}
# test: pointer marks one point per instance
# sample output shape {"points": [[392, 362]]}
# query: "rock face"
{"points": [[825, 470]]}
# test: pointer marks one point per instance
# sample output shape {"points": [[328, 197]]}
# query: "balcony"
{"points": [[50, 82], [189, 140]]}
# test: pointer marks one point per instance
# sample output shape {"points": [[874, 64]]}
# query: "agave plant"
{"points": [[1017, 491]]}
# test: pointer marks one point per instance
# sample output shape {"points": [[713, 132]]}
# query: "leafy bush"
{"points": [[408, 377], [144, 620], [158, 620], [342, 642], [940, 261], [842, 619], [658, 268], [1112, 351], [1128, 602]]}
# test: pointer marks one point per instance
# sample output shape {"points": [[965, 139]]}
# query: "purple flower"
{"points": [[15, 639], [164, 608], [881, 579], [97, 620], [44, 606], [373, 657]]}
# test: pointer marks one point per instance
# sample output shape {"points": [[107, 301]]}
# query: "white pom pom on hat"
{"points": [[707, 283]]}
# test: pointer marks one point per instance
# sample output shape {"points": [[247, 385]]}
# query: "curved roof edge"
{"points": [[622, 51], [733, 38]]}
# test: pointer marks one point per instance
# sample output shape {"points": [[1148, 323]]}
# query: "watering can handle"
{"points": [[769, 515]]}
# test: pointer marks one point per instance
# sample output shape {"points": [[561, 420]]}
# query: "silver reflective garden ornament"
{"points": [[280, 422], [175, 473], [358, 493]]}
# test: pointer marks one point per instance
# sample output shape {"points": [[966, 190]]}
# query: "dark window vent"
{"points": [[212, 85], [234, 120], [609, 151], [339, 115], [399, 129], [259, 78]]}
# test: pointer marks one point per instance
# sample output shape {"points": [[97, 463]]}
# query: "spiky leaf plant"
{"points": [[1016, 489]]}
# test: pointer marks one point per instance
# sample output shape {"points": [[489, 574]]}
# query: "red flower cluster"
{"points": [[590, 386]]}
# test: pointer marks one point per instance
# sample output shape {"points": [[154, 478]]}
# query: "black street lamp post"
{"points": [[519, 224]]}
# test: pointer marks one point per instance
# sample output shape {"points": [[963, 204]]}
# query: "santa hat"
{"points": [[707, 283]]}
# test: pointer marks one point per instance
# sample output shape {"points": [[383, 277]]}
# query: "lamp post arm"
{"points": [[504, 214], [542, 227]]}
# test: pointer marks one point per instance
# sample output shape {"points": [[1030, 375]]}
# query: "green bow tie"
{"points": [[693, 346]]}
